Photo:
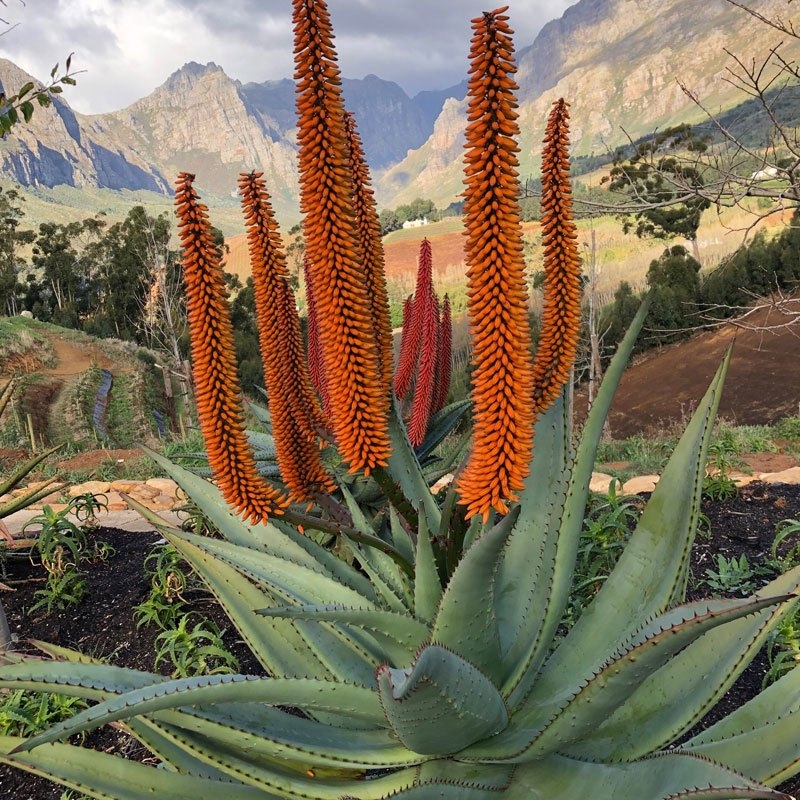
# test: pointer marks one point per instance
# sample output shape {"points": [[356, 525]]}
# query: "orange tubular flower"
{"points": [[219, 405], [561, 316], [444, 358], [316, 368], [296, 414], [369, 238], [497, 290], [351, 354]]}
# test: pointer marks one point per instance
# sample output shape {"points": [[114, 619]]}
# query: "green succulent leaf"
{"points": [[104, 776], [466, 621], [408, 632], [569, 718], [677, 696], [355, 702], [405, 471], [278, 644], [665, 776], [441, 704], [650, 575], [548, 532], [440, 425], [427, 585], [760, 737], [535, 560]]}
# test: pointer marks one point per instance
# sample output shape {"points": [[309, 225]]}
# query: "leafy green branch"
{"points": [[20, 106]]}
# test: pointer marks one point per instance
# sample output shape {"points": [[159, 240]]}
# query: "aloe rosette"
{"points": [[411, 688], [423, 655]]}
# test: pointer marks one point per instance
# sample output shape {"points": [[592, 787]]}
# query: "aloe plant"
{"points": [[419, 655]]}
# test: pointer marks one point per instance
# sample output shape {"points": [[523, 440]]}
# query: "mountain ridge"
{"points": [[617, 61]]}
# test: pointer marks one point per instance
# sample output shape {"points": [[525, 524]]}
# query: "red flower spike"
{"points": [[497, 289], [412, 341], [444, 359], [407, 358], [426, 373], [561, 316], [219, 405], [351, 354], [296, 415]]}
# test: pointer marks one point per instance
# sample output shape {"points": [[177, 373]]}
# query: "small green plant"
{"points": [[736, 576], [783, 648], [789, 429], [168, 581], [61, 546], [196, 651], [790, 557], [718, 485], [25, 713]]}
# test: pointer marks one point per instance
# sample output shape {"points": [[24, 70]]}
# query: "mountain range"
{"points": [[620, 64]]}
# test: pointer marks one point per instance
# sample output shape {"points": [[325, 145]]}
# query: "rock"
{"points": [[161, 502], [791, 475], [164, 485], [640, 485], [143, 492], [124, 486], [90, 487], [601, 482], [115, 502]]}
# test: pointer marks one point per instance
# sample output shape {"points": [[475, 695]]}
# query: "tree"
{"points": [[733, 165], [131, 258], [655, 180], [11, 237], [65, 278]]}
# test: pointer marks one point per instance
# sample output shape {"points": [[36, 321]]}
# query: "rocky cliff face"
{"points": [[59, 147], [202, 121], [618, 62]]}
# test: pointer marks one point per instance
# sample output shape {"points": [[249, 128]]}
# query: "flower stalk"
{"points": [[561, 316], [497, 291], [218, 396], [297, 417], [359, 398]]}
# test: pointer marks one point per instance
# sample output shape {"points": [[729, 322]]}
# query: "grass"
{"points": [[640, 455]]}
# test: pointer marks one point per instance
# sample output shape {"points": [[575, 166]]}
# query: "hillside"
{"points": [[89, 391]]}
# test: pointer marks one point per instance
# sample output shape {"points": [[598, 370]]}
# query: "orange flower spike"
{"points": [[296, 414], [219, 405], [369, 237], [497, 290], [561, 316], [444, 358], [315, 366], [351, 354]]}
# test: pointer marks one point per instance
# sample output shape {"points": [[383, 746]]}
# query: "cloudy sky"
{"points": [[128, 47]]}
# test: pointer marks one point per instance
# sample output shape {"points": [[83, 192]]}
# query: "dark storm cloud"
{"points": [[128, 47]]}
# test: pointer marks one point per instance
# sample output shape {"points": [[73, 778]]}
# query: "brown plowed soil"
{"points": [[662, 387]]}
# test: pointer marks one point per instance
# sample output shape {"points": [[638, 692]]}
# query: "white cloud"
{"points": [[128, 47]]}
